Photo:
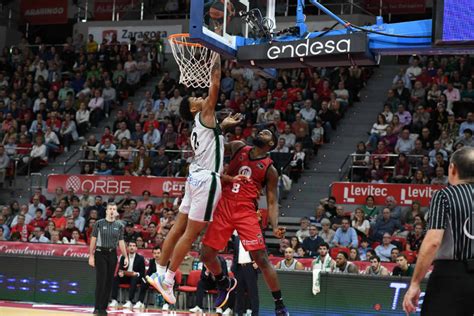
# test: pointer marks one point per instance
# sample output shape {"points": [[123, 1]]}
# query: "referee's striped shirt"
{"points": [[108, 234], [452, 209]]}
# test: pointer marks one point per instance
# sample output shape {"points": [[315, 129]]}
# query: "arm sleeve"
{"points": [[438, 212]]}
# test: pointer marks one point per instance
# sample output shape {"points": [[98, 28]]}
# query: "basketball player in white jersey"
{"points": [[203, 185]]}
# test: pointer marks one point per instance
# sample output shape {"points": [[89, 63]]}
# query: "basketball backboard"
{"points": [[223, 30]]}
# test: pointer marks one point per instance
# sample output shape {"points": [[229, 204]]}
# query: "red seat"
{"points": [[348, 214], [402, 241], [191, 284], [375, 244], [334, 251], [362, 265], [411, 256]]}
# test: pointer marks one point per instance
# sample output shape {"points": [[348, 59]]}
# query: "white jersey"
{"points": [[208, 146]]}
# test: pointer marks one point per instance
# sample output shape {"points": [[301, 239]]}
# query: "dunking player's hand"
{"points": [[279, 232], [231, 121]]}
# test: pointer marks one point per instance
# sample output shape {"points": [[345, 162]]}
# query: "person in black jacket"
{"points": [[206, 283], [131, 275]]}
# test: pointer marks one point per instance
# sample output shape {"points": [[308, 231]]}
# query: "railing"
{"points": [[346, 170]]}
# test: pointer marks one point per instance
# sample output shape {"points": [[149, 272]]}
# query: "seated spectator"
{"points": [[38, 236], [402, 171], [322, 263], [370, 210], [79, 221], [466, 139], [103, 170], [326, 233], [146, 201], [289, 263], [38, 155], [384, 250], [329, 205], [346, 236], [415, 238], [161, 163], [336, 221], [295, 244], [144, 286], [59, 219], [318, 217], [66, 234], [363, 249], [437, 149], [404, 144], [290, 138], [141, 162], [440, 177], [96, 106], [55, 237], [447, 143], [75, 239], [467, 124], [403, 268], [343, 266], [38, 220], [354, 254], [395, 210], [428, 171], [375, 268], [281, 147], [34, 206], [385, 224], [379, 129], [132, 275], [284, 243], [376, 171], [411, 212], [297, 162], [312, 242], [360, 159], [394, 254], [22, 229], [419, 178], [129, 233], [317, 135], [360, 224]]}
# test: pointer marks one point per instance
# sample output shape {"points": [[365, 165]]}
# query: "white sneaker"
{"points": [[228, 311], [113, 304], [165, 307], [196, 309], [128, 305], [139, 305], [219, 310], [248, 312], [166, 290]]}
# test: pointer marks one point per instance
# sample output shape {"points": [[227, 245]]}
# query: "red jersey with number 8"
{"points": [[255, 169]]}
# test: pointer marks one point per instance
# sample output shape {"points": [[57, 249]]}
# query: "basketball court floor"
{"points": [[31, 309]]}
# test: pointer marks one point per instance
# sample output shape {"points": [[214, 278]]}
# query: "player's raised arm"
{"points": [[272, 202], [209, 106]]}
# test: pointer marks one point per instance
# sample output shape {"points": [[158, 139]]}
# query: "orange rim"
{"points": [[175, 39]]}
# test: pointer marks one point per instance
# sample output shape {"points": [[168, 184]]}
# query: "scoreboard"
{"points": [[453, 22]]}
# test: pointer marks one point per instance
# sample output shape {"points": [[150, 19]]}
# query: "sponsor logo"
{"points": [[250, 242], [174, 186], [245, 171], [45, 11], [397, 295], [353, 190], [99, 185], [408, 195], [310, 47]]}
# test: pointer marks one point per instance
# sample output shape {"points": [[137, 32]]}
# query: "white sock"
{"points": [[169, 277], [161, 269]]}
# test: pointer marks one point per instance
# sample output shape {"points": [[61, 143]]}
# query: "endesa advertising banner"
{"points": [[405, 194], [44, 12], [116, 185], [125, 33]]}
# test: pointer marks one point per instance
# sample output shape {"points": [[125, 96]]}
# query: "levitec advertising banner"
{"points": [[405, 194], [124, 33], [44, 12], [103, 9], [116, 185]]}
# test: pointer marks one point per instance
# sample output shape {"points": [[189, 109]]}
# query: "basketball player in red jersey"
{"points": [[250, 170]]}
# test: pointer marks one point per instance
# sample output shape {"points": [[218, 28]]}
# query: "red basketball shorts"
{"points": [[233, 215]]}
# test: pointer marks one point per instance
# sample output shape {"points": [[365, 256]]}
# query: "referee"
{"points": [[106, 235], [450, 243]]}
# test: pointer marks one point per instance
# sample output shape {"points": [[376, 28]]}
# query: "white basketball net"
{"points": [[194, 60]]}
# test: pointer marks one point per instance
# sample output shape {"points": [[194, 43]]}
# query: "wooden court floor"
{"points": [[30, 309]]}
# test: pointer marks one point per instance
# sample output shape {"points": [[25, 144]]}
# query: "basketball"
{"points": [[216, 12]]}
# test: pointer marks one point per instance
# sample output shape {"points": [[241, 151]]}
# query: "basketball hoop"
{"points": [[194, 60]]}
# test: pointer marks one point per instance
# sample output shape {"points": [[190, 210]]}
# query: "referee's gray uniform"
{"points": [[450, 289], [108, 235]]}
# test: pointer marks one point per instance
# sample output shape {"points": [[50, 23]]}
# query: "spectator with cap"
{"points": [[345, 236]]}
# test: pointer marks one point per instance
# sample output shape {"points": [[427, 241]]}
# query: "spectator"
{"points": [[38, 220], [343, 266], [303, 232], [22, 229], [395, 210], [376, 172], [141, 162], [35, 205], [329, 206], [404, 144], [384, 250], [360, 224], [403, 268], [394, 254], [385, 224], [55, 237], [160, 163], [312, 242], [345, 236], [402, 171], [364, 249], [79, 221], [289, 263], [38, 155], [68, 132], [410, 214], [360, 160], [146, 201], [467, 124], [452, 95], [467, 140], [379, 129], [38, 236], [440, 178], [336, 221], [318, 217], [354, 254], [290, 138], [375, 268], [326, 233], [415, 238], [370, 209], [58, 219]]}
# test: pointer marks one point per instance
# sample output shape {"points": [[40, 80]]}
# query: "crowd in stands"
{"points": [[427, 115], [387, 234]]}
